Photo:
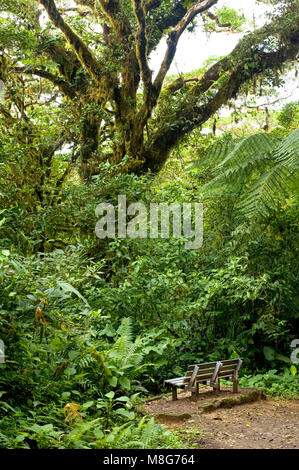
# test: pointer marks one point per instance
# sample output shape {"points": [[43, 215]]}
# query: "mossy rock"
{"points": [[249, 396], [175, 418]]}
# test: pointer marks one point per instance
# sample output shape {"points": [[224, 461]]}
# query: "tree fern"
{"points": [[277, 180], [262, 195], [215, 152], [259, 168], [288, 151]]}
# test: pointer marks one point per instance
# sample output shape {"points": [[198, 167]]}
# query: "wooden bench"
{"points": [[208, 373]]}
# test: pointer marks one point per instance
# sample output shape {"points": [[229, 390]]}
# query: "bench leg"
{"points": [[174, 393], [216, 387], [235, 386], [194, 393]]}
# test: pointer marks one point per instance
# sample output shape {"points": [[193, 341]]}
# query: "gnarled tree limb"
{"points": [[141, 44], [234, 72], [174, 37], [82, 51], [114, 11], [213, 17], [63, 86]]}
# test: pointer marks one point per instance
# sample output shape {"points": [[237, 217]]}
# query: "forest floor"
{"points": [[262, 424]]}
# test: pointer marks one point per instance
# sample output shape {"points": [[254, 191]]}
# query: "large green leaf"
{"points": [[66, 287]]}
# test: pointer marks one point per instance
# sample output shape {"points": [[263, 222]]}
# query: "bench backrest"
{"points": [[230, 367], [206, 370]]}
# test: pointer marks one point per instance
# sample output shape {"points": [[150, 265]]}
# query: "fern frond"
{"points": [[247, 150], [263, 194], [125, 328], [215, 153], [288, 151], [248, 155], [259, 170]]}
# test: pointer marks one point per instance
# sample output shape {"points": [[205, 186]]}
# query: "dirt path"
{"points": [[264, 424]]}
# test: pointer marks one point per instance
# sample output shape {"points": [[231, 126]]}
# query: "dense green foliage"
{"points": [[91, 327]]}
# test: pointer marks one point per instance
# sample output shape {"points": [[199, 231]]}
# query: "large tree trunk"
{"points": [[89, 146]]}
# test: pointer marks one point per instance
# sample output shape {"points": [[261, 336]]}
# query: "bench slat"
{"points": [[202, 371], [178, 379], [230, 361], [228, 369], [203, 365]]}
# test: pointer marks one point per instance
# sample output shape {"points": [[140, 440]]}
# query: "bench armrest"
{"points": [[216, 372], [172, 381], [192, 378]]}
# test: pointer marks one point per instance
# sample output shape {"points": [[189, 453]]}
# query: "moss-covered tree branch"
{"points": [[141, 44], [82, 51], [174, 37], [116, 15], [252, 56], [65, 88]]}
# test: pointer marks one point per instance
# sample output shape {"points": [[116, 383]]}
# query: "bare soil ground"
{"points": [[263, 424]]}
